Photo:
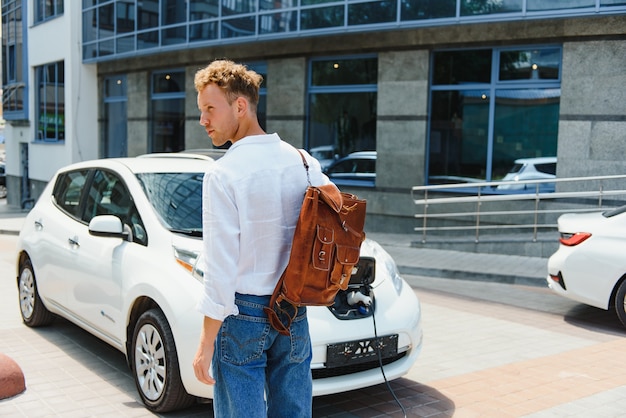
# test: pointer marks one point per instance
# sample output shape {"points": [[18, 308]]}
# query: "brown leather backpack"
{"points": [[326, 247]]}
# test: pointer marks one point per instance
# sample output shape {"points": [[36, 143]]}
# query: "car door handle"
{"points": [[73, 242], [38, 225]]}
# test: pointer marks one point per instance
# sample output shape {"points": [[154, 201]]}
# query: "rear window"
{"points": [[548, 168]]}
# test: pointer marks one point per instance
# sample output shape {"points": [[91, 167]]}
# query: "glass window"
{"points": [[324, 17], [480, 126], [203, 9], [525, 126], [458, 136], [109, 196], [168, 111], [14, 65], [344, 71], [125, 16], [148, 14], [278, 22], [532, 64], [342, 106], [47, 9], [173, 36], [462, 67], [68, 189], [233, 7], [482, 7], [50, 99], [427, 9], [176, 198], [202, 32], [114, 137], [538, 5], [173, 11], [372, 12], [243, 26]]}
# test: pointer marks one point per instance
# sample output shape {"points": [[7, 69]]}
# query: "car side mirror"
{"points": [[107, 226]]}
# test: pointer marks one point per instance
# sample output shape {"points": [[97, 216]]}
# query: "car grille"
{"points": [[355, 368]]}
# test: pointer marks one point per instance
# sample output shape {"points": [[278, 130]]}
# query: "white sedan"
{"points": [[112, 245], [590, 264]]}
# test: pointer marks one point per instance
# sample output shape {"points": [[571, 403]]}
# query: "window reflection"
{"points": [[232, 7], [537, 5], [427, 9], [482, 7], [168, 115], [480, 126], [457, 67], [373, 12], [324, 17], [530, 64], [525, 126], [203, 9], [458, 136]]}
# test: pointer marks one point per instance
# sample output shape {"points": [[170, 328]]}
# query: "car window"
{"points": [[67, 191], [109, 196], [366, 166], [548, 168], [176, 198], [347, 166]]}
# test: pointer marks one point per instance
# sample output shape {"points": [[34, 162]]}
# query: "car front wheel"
{"points": [[155, 364], [34, 313], [620, 302]]}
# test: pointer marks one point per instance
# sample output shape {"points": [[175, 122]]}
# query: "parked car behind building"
{"points": [[530, 169], [355, 169]]}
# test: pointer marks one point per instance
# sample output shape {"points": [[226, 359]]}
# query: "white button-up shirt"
{"points": [[251, 202]]}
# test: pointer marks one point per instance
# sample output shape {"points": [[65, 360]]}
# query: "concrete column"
{"points": [[138, 110], [592, 120], [402, 118], [286, 98]]}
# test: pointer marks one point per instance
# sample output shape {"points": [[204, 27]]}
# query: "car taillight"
{"points": [[573, 239]]}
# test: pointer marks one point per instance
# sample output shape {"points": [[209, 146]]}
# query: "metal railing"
{"points": [[462, 206]]}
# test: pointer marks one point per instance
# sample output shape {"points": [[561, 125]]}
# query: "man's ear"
{"points": [[242, 105]]}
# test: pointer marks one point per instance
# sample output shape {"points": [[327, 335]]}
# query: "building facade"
{"points": [[443, 90]]}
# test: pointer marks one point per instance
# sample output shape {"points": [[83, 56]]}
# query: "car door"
{"points": [[95, 294], [57, 225]]}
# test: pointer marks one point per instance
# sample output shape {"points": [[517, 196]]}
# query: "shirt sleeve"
{"points": [[220, 230]]}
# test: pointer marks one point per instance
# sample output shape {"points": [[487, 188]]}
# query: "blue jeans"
{"points": [[259, 372]]}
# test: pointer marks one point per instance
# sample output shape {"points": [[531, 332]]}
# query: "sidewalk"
{"points": [[510, 269]]}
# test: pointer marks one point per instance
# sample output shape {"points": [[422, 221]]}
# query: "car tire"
{"points": [[620, 302], [154, 364], [34, 313], [3, 192]]}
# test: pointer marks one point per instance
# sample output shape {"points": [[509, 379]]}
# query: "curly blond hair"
{"points": [[234, 79]]}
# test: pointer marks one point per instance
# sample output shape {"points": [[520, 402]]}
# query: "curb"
{"points": [[473, 276]]}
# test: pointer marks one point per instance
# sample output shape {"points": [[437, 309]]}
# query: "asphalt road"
{"points": [[474, 332]]}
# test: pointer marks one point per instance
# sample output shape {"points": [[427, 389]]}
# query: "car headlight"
{"points": [[389, 265]]}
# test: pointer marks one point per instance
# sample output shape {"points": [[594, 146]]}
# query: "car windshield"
{"points": [[176, 198]]}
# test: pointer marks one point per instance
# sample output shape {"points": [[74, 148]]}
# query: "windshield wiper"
{"points": [[189, 232]]}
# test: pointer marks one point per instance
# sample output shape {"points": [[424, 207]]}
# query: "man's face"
{"points": [[217, 116]]}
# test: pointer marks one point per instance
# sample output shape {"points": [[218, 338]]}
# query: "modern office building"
{"points": [[443, 90]]}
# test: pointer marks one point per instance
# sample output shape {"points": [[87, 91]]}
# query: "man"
{"points": [[251, 202]]}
